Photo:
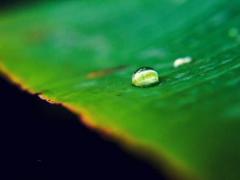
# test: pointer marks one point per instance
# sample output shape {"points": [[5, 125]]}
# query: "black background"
{"points": [[44, 141]]}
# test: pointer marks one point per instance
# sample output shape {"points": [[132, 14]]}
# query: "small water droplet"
{"points": [[145, 77], [181, 61]]}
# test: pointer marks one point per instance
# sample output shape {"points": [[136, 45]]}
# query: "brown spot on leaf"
{"points": [[105, 72], [36, 36], [43, 97]]}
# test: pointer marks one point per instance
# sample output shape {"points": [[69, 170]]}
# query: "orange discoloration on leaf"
{"points": [[37, 35], [105, 72]]}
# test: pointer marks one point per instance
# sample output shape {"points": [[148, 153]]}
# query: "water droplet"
{"points": [[181, 61], [145, 77]]}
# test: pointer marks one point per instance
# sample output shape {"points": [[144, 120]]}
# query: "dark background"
{"points": [[44, 141]]}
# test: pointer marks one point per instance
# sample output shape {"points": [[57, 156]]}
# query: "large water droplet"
{"points": [[145, 77]]}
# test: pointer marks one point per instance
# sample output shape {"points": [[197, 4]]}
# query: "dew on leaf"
{"points": [[145, 77], [182, 61]]}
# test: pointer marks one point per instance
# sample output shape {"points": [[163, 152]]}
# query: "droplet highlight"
{"points": [[145, 77]]}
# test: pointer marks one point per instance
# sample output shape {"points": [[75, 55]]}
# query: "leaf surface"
{"points": [[83, 54]]}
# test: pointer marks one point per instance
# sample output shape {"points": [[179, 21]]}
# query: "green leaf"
{"points": [[83, 54]]}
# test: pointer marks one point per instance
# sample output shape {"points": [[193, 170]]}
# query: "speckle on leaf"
{"points": [[145, 77]]}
